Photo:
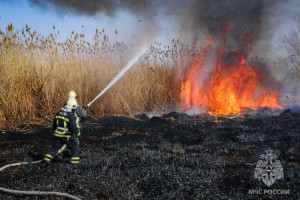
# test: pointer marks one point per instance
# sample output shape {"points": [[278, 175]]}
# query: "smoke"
{"points": [[192, 18], [91, 7], [253, 25]]}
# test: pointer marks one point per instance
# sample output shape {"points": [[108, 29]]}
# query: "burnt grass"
{"points": [[174, 156]]}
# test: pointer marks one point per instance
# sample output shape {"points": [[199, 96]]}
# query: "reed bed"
{"points": [[38, 71]]}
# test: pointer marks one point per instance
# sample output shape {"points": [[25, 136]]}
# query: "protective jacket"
{"points": [[64, 123]]}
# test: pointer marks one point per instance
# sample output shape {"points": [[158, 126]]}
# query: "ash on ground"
{"points": [[175, 156]]}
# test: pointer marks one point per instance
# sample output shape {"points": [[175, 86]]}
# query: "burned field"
{"points": [[175, 156]]}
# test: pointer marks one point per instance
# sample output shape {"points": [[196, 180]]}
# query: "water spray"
{"points": [[39, 193], [141, 52]]}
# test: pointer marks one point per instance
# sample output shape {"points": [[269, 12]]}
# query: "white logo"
{"points": [[268, 169]]}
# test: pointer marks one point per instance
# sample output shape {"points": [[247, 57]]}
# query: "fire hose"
{"points": [[35, 193], [43, 193], [39, 193]]}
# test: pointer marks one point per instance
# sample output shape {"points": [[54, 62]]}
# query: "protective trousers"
{"points": [[58, 142], [67, 151]]}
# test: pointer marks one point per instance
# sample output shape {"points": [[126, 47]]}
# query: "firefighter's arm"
{"points": [[81, 112], [72, 125]]}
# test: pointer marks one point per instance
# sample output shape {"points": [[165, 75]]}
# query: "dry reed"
{"points": [[37, 72]]}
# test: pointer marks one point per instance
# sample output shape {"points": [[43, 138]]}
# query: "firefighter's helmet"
{"points": [[72, 95]]}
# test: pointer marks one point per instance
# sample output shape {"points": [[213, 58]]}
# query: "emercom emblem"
{"points": [[268, 168]]}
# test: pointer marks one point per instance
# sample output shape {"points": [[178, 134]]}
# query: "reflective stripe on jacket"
{"points": [[64, 123]]}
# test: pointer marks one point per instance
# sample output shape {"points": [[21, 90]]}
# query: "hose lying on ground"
{"points": [[35, 193], [38, 193]]}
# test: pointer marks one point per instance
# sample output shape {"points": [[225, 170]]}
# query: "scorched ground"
{"points": [[175, 156]]}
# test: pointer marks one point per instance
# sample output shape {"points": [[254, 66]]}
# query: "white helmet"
{"points": [[72, 95], [72, 103]]}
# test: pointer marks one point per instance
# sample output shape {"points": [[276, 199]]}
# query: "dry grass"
{"points": [[37, 72]]}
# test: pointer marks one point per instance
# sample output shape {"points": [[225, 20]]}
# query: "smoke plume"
{"points": [[191, 17], [252, 25]]}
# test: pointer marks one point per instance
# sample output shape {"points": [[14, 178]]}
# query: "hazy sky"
{"points": [[41, 19], [160, 20]]}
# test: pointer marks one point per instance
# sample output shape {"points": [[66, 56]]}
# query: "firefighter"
{"points": [[80, 114], [65, 131]]}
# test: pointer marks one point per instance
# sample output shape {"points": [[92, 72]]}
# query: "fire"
{"points": [[229, 89]]}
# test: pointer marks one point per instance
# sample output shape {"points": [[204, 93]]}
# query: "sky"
{"points": [[157, 20], [22, 12]]}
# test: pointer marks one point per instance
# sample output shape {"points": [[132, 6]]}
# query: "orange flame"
{"points": [[229, 89]]}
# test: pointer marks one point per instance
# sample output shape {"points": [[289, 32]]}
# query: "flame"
{"points": [[189, 87], [229, 89]]}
